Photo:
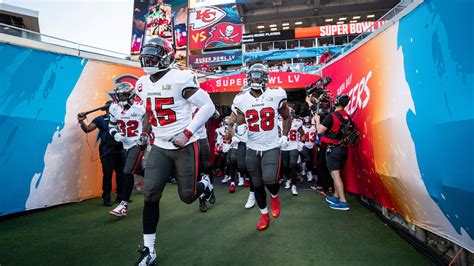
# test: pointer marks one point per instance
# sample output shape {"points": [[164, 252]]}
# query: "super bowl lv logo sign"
{"points": [[225, 33], [203, 17]]}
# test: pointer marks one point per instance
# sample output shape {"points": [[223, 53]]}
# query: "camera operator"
{"points": [[336, 152], [109, 151], [324, 182]]}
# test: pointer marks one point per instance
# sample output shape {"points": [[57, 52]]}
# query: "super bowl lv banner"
{"points": [[213, 26]]}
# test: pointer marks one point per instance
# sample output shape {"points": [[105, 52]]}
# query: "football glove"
{"points": [[225, 148], [118, 137], [182, 138], [241, 129], [300, 146], [283, 142], [143, 139]]}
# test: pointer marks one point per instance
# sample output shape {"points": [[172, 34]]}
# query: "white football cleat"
{"points": [[288, 184], [309, 176], [294, 191], [241, 182], [146, 257], [250, 201], [120, 210], [225, 179]]}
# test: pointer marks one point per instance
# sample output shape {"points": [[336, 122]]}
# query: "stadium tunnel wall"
{"points": [[46, 158], [411, 96]]}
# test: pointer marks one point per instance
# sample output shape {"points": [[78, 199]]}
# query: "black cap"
{"points": [[342, 100]]}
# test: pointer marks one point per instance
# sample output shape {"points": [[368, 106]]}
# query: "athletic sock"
{"points": [[149, 241], [264, 211]]}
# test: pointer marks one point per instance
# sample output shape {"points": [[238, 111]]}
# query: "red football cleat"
{"points": [[246, 183], [275, 206], [232, 188], [264, 222]]}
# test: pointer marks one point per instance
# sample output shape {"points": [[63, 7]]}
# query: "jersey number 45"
{"points": [[165, 116]]}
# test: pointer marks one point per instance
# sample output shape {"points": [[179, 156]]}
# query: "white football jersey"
{"points": [[169, 112], [243, 137], [129, 122], [310, 136], [293, 135], [261, 116], [201, 133], [220, 134]]}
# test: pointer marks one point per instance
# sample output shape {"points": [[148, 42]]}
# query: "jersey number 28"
{"points": [[265, 119]]}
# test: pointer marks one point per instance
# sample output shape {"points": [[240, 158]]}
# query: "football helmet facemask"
{"points": [[257, 77], [156, 55], [124, 93]]}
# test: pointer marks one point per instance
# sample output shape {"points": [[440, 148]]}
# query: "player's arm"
{"points": [[114, 129], [146, 124], [86, 128], [284, 111], [231, 130], [202, 100], [302, 134]]}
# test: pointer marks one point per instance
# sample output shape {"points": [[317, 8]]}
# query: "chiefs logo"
{"points": [[126, 78], [203, 17]]}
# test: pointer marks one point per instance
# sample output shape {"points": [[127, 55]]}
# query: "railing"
{"points": [[388, 18], [35, 36]]}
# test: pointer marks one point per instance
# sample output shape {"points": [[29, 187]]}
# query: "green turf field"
{"points": [[307, 233]]}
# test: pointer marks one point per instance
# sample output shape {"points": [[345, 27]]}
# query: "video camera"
{"points": [[318, 90]]}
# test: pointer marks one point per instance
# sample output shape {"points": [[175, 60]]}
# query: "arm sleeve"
{"points": [[206, 107]]}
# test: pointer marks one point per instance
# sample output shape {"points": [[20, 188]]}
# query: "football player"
{"points": [[240, 152], [290, 153], [310, 134], [169, 96], [125, 125], [220, 160], [205, 160], [257, 112]]}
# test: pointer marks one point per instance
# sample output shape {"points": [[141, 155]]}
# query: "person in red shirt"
{"points": [[325, 57], [336, 152]]}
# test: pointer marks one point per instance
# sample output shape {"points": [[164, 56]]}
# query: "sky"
{"points": [[105, 24]]}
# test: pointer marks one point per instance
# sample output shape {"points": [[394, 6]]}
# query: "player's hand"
{"points": [[283, 142], [182, 138], [81, 117], [119, 137]]}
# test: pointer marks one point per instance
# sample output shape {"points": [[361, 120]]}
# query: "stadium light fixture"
{"points": [[340, 22], [356, 17], [273, 25], [353, 21], [370, 16], [329, 20], [260, 26], [343, 18], [298, 22], [285, 24], [286, 28], [273, 29]]}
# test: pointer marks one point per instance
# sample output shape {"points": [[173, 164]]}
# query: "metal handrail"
{"points": [[387, 17], [59, 41]]}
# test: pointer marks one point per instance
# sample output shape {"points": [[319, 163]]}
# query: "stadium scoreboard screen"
{"points": [[268, 36]]}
